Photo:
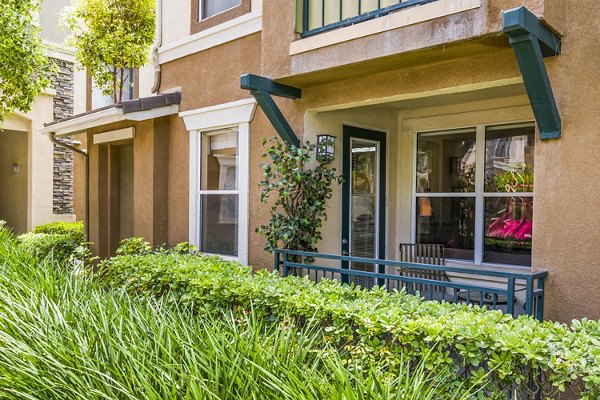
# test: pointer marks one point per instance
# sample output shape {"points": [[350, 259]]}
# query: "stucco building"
{"points": [[456, 123], [36, 177]]}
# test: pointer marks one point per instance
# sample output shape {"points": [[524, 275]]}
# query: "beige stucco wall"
{"points": [[13, 186], [39, 160]]}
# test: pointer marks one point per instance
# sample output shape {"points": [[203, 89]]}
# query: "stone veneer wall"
{"points": [[63, 158]]}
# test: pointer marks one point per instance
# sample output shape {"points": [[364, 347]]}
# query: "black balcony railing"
{"points": [[323, 15]]}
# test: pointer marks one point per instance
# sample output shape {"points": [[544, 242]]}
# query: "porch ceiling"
{"points": [[447, 52], [456, 98]]}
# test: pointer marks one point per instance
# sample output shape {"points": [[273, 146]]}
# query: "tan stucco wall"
{"points": [[13, 186], [425, 42], [436, 79], [213, 76], [567, 172], [150, 179]]}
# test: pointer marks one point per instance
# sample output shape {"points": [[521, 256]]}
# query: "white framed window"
{"points": [[208, 8], [100, 100], [219, 154], [473, 192]]}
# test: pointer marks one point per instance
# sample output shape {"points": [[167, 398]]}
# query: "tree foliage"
{"points": [[111, 36], [25, 71], [299, 208]]}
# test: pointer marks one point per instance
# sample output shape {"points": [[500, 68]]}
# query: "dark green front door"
{"points": [[363, 191]]}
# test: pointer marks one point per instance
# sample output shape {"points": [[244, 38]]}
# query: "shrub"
{"points": [[59, 247], [300, 196], [133, 246], [63, 242], [381, 329], [66, 337], [73, 229]]}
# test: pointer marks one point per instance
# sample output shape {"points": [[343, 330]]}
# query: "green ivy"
{"points": [[301, 193]]}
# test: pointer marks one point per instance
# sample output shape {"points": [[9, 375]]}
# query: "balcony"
{"points": [[316, 16]]}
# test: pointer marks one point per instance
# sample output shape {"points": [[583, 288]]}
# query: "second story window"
{"points": [[100, 100], [208, 14], [208, 8]]}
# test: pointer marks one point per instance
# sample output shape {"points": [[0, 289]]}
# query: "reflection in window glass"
{"points": [[212, 7], [508, 230], [449, 221], [219, 161], [219, 228], [100, 100], [509, 159], [446, 162], [219, 194]]}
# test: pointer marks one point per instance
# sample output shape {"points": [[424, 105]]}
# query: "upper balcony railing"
{"points": [[316, 16]]}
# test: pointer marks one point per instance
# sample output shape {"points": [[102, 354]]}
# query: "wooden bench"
{"points": [[432, 254]]}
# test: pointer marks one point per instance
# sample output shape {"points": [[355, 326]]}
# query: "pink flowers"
{"points": [[507, 227]]}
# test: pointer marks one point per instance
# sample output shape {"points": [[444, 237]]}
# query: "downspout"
{"points": [[52, 137], [156, 46]]}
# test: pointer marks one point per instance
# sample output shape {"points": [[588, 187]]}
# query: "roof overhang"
{"points": [[131, 110]]}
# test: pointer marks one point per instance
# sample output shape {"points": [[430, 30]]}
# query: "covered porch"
{"points": [[441, 187]]}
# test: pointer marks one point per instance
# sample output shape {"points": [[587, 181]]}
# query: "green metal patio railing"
{"points": [[315, 16], [514, 293]]}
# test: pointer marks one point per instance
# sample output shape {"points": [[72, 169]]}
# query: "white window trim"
{"points": [[201, 10], [237, 114], [479, 194], [237, 28]]}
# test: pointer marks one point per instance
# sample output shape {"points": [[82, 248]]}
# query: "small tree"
{"points": [[298, 211], [25, 71], [111, 36]]}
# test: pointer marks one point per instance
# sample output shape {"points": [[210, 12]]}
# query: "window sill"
{"points": [[389, 22], [237, 28], [487, 266]]}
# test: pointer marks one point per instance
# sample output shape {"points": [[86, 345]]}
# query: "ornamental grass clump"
{"points": [[486, 350], [65, 336]]}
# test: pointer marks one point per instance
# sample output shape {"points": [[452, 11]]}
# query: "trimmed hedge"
{"points": [[63, 242], [73, 229], [486, 349]]}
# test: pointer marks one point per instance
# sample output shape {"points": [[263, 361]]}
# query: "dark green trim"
{"points": [[520, 21], [533, 281], [255, 82], [380, 12], [359, 133], [532, 41], [262, 89]]}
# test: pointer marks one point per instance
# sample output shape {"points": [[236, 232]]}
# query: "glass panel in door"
{"points": [[364, 205]]}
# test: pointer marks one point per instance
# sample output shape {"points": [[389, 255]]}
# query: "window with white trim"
{"points": [[218, 197], [218, 186], [208, 8], [100, 100], [474, 192]]}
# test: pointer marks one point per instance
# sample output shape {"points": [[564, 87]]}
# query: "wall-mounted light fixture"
{"points": [[16, 168], [325, 148]]}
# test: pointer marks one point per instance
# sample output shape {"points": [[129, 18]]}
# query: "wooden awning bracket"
{"points": [[262, 88], [532, 41]]}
